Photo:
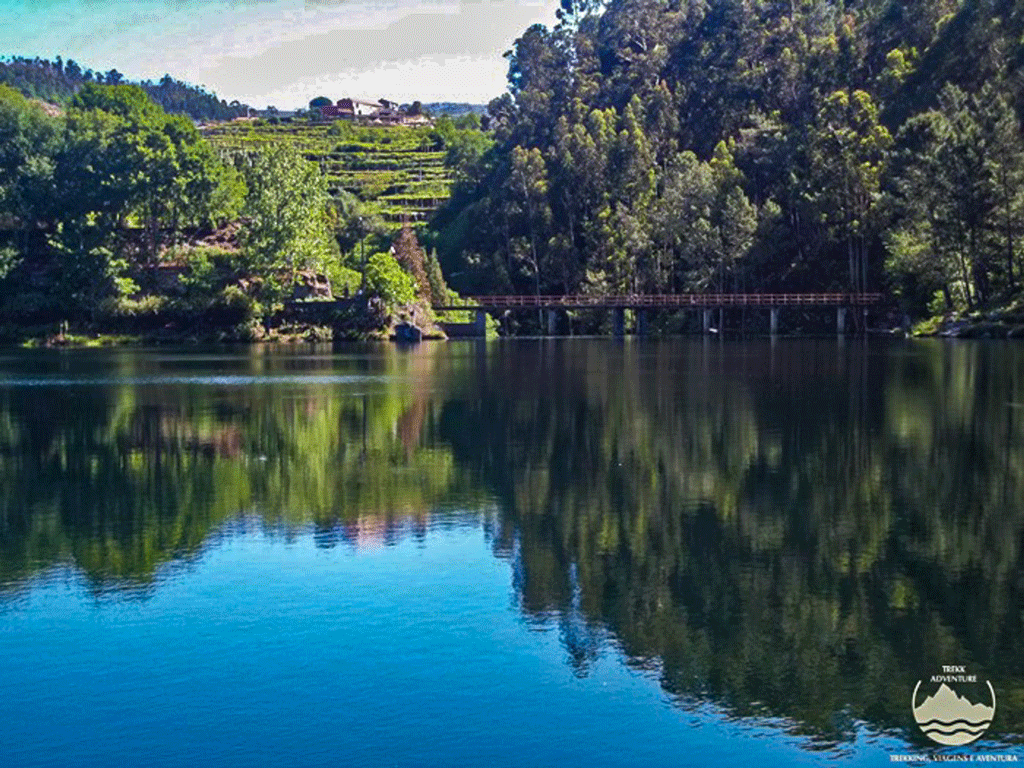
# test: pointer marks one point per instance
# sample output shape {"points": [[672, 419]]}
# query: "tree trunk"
{"points": [[1009, 232], [853, 269]]}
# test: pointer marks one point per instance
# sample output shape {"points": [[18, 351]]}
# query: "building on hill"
{"points": [[350, 108], [382, 112], [389, 114]]}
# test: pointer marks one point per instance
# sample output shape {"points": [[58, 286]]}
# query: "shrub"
{"points": [[133, 314], [385, 279], [342, 277], [123, 307], [209, 268], [233, 306]]}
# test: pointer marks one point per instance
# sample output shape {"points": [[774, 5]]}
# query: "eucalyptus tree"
{"points": [[957, 197], [285, 212], [848, 153]]}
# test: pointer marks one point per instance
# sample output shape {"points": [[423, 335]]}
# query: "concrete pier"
{"points": [[707, 321], [552, 322], [642, 322], [619, 322], [480, 323], [774, 322], [841, 321]]}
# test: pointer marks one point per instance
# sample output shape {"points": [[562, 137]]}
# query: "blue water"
{"points": [[522, 554], [275, 652]]}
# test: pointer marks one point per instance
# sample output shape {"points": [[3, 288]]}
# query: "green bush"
{"points": [[120, 313], [340, 128], [386, 280], [143, 306], [342, 277], [235, 300]]}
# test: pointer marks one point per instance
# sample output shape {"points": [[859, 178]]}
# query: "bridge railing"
{"points": [[678, 300]]}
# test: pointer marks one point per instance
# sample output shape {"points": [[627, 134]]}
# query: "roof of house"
{"points": [[363, 102]]}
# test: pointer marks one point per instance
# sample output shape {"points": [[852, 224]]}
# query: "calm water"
{"points": [[577, 552]]}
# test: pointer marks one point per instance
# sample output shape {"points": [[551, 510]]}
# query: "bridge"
{"points": [[619, 303], [666, 301]]}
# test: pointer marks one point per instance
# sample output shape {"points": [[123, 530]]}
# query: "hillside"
{"points": [[398, 173], [118, 217], [661, 147], [58, 81]]}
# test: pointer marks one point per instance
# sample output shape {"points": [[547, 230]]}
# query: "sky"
{"points": [[285, 52]]}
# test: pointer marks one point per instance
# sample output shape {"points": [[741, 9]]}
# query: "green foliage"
{"points": [[29, 140], [9, 259], [957, 200], [286, 219], [399, 173], [344, 280], [439, 290], [209, 270], [122, 311], [647, 146], [127, 101], [239, 307], [124, 157], [91, 272], [59, 81], [388, 281], [341, 128]]}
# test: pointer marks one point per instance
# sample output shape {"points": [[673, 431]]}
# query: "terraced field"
{"points": [[397, 171]]}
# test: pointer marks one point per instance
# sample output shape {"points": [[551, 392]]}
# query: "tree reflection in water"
{"points": [[799, 529]]}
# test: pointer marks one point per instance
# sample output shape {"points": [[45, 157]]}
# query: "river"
{"points": [[577, 552]]}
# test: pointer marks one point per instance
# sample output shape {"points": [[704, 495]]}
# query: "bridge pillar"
{"points": [[619, 322], [552, 322], [707, 321], [774, 323], [841, 321], [480, 324], [721, 320], [642, 322]]}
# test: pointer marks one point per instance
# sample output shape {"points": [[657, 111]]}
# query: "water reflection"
{"points": [[796, 530]]}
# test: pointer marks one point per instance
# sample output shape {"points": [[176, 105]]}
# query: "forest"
{"points": [[58, 81], [663, 146], [118, 217], [641, 146]]}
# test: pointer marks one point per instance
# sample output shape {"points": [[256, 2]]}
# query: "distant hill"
{"points": [[58, 81], [454, 108]]}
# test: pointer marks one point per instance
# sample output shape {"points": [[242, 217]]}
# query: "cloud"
{"points": [[450, 79], [258, 50], [467, 31]]}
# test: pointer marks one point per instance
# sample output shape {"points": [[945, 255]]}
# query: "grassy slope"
{"points": [[398, 172]]}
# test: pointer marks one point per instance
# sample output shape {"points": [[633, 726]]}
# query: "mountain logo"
{"points": [[950, 717]]}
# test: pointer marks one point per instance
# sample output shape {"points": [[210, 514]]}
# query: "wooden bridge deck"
{"points": [[667, 301]]}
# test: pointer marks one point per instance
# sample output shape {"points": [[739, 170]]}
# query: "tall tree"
{"points": [[848, 155], [286, 219]]}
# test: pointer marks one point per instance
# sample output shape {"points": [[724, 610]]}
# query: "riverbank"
{"points": [[1003, 320], [408, 322]]}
